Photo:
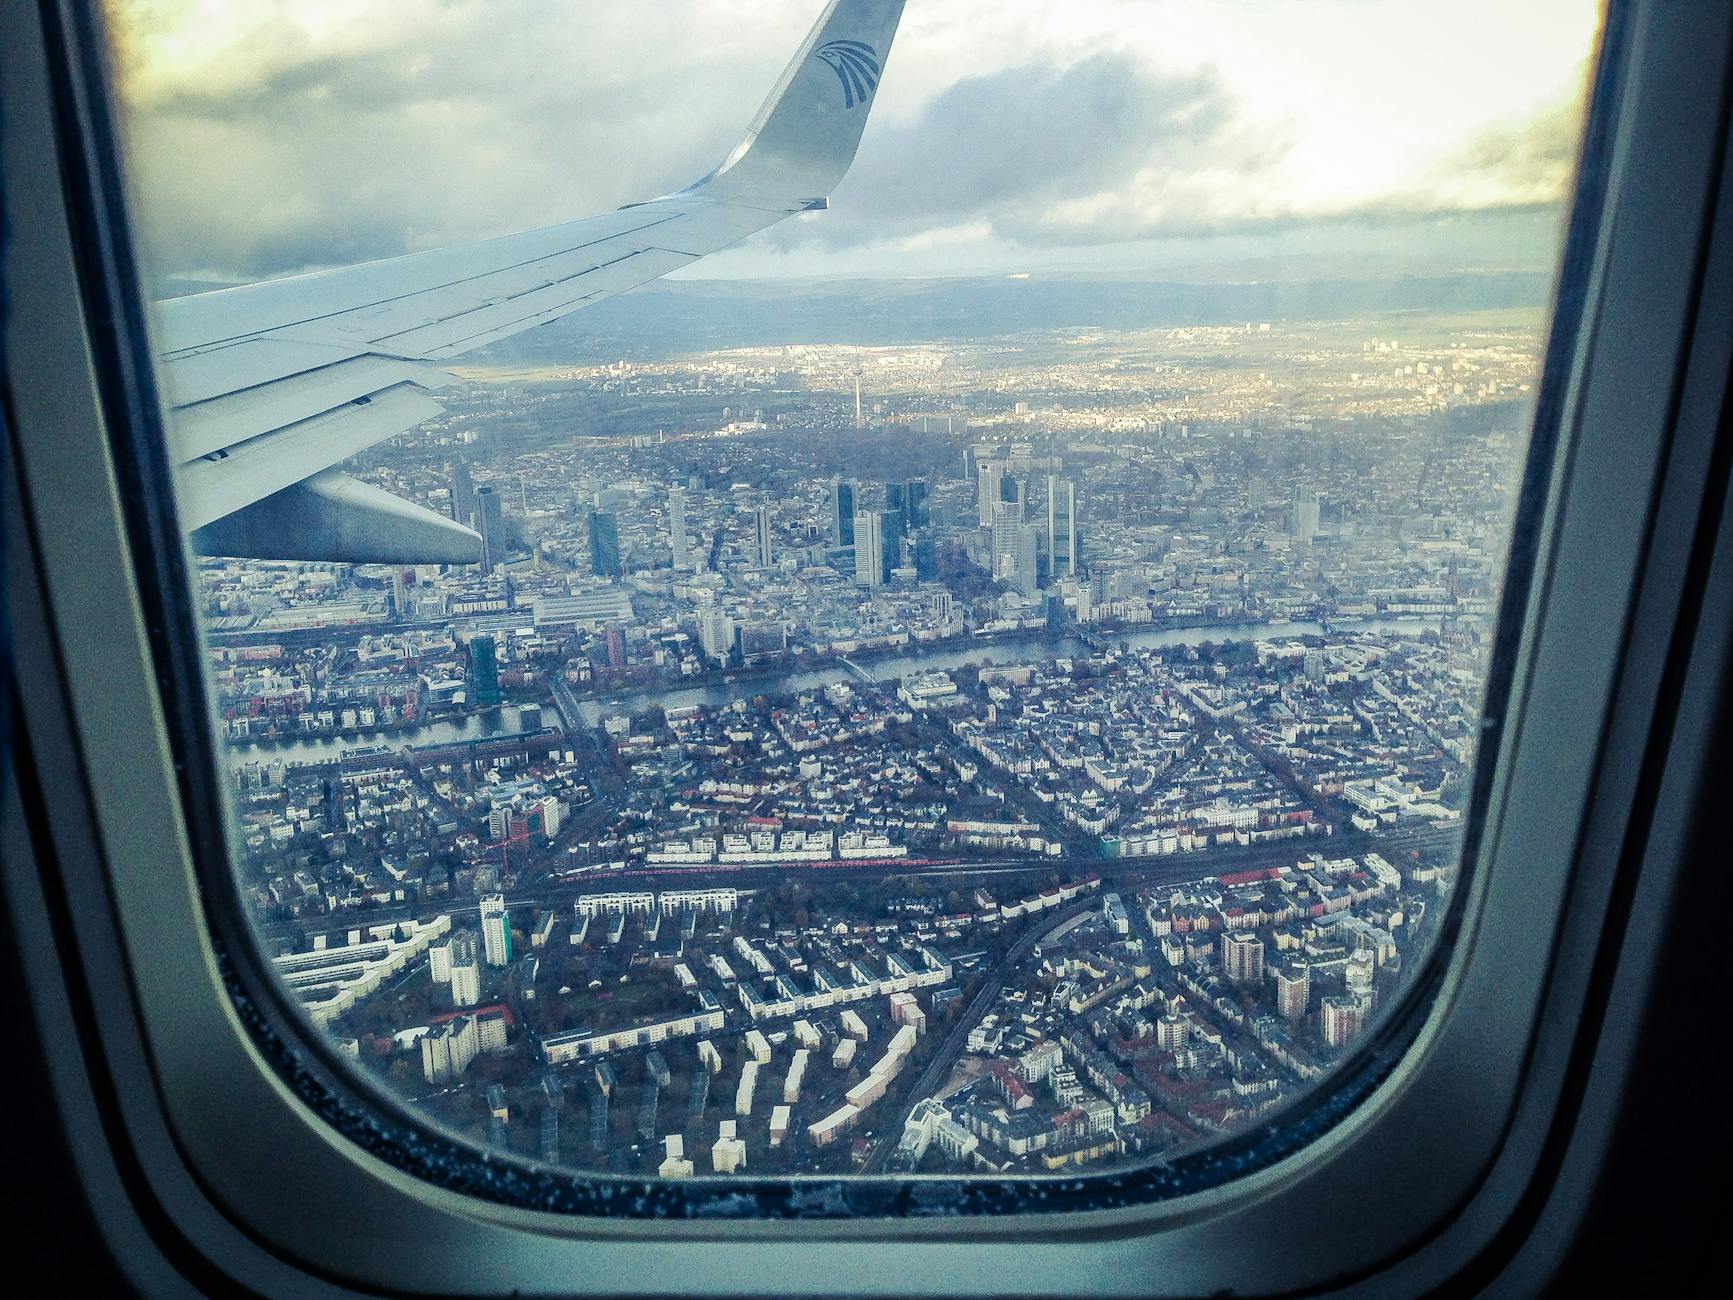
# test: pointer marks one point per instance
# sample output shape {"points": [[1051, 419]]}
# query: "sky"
{"points": [[267, 137]]}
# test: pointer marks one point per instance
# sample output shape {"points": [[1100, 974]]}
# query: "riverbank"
{"points": [[717, 691], [961, 643]]}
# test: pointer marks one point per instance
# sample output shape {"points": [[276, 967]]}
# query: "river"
{"points": [[326, 749], [716, 693]]}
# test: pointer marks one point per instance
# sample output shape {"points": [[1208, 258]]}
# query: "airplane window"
{"points": [[953, 641]]}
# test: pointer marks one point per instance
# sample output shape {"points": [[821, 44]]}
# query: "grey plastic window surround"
{"points": [[206, 1116]]}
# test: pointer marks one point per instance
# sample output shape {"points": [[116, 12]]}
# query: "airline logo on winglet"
{"points": [[856, 65]]}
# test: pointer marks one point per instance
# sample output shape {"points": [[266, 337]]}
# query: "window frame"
{"points": [[1449, 1143]]}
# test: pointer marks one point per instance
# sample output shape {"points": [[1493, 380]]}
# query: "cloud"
{"points": [[284, 134], [1043, 165], [1102, 150], [1513, 164], [437, 123]]}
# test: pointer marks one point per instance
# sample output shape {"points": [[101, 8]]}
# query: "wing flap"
{"points": [[202, 376], [209, 426]]}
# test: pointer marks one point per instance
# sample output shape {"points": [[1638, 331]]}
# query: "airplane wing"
{"points": [[272, 385]]}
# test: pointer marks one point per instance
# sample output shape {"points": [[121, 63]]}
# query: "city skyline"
{"points": [[1081, 839]]}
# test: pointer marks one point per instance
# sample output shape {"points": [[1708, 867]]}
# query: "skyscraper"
{"points": [[462, 492], [1027, 570], [926, 549], [1306, 511], [604, 545], [483, 672], [842, 513], [465, 979], [715, 633], [893, 527], [915, 503], [495, 930], [1062, 526], [1344, 1018], [677, 527], [859, 419], [987, 490], [1293, 991], [1007, 520], [490, 523], [869, 549], [1243, 957], [761, 533]]}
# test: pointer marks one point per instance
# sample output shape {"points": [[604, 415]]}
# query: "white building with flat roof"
{"points": [[833, 1125], [447, 1051], [632, 904], [674, 1162], [796, 1073], [575, 1044], [748, 1086], [331, 980], [495, 931], [700, 900], [465, 983], [490, 1031], [729, 1153]]}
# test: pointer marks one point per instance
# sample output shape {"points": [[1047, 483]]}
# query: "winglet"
{"points": [[803, 140]]}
